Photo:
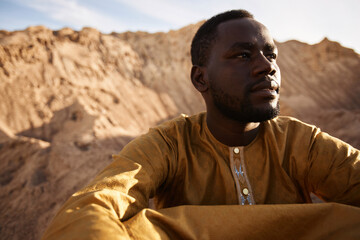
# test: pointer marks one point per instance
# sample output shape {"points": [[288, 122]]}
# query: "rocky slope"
{"points": [[321, 86], [68, 100]]}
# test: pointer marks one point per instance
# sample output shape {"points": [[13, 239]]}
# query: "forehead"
{"points": [[245, 30]]}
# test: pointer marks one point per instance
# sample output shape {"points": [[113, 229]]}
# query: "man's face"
{"points": [[243, 76]]}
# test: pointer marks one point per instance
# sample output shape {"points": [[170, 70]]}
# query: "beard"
{"points": [[242, 110]]}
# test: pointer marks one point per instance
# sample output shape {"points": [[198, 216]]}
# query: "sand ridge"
{"points": [[70, 99]]}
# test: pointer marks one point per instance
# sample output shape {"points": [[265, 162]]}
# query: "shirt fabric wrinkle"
{"points": [[181, 163]]}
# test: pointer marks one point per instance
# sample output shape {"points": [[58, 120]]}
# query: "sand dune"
{"points": [[69, 100]]}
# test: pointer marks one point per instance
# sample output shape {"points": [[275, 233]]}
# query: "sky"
{"points": [[306, 20]]}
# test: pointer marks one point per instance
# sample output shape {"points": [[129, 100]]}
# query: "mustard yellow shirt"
{"points": [[204, 189]]}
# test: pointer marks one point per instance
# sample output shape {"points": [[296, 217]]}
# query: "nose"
{"points": [[264, 66]]}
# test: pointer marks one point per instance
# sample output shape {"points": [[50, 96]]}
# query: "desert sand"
{"points": [[70, 99]]}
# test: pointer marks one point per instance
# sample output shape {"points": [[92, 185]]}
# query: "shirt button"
{"points": [[236, 150], [245, 191]]}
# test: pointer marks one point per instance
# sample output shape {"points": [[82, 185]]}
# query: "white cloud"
{"points": [[74, 14]]}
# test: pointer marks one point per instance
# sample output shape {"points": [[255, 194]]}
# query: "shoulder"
{"points": [[169, 133], [286, 122], [181, 125], [290, 128]]}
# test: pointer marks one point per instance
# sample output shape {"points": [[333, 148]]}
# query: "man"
{"points": [[199, 169]]}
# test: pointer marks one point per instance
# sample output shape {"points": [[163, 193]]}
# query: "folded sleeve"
{"points": [[280, 221], [334, 170], [119, 192]]}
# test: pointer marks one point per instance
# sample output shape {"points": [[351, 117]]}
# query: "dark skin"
{"points": [[241, 68]]}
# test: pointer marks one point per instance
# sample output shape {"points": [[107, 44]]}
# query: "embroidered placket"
{"points": [[243, 188]]}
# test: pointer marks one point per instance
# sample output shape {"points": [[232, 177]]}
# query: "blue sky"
{"points": [[307, 20]]}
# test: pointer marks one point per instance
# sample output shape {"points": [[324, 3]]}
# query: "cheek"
{"points": [[231, 77]]}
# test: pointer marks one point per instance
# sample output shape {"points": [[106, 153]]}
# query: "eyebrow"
{"points": [[248, 45], [270, 47]]}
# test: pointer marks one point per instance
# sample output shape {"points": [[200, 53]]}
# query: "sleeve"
{"points": [[334, 170], [119, 192]]}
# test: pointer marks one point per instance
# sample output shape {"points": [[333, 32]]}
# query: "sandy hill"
{"points": [[69, 100]]}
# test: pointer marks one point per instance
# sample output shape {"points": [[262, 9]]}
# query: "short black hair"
{"points": [[206, 34]]}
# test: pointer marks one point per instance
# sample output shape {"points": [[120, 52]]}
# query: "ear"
{"points": [[199, 78]]}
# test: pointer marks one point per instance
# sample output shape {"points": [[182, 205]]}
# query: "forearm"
{"points": [[91, 221], [295, 221], [307, 221]]}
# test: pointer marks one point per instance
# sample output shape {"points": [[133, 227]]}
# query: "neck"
{"points": [[231, 132]]}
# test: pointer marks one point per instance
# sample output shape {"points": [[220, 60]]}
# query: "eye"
{"points": [[243, 55], [271, 56]]}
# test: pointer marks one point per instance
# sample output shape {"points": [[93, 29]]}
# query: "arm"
{"points": [[334, 170], [119, 192], [114, 206]]}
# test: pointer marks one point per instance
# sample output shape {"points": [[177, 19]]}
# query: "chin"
{"points": [[267, 114], [252, 114]]}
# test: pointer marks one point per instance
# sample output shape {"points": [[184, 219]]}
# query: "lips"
{"points": [[266, 89], [266, 85]]}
